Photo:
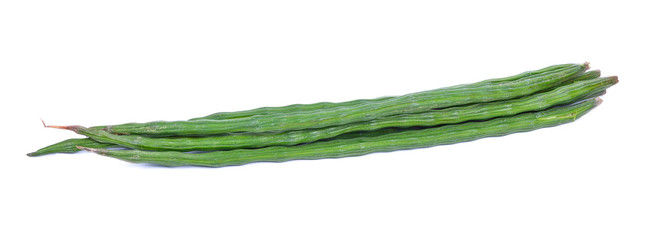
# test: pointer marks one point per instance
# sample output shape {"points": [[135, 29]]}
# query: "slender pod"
{"points": [[70, 146], [411, 103], [561, 95], [447, 134], [290, 109]]}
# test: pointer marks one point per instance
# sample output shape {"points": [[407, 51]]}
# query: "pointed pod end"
{"points": [[74, 128], [586, 66], [613, 79], [597, 101]]}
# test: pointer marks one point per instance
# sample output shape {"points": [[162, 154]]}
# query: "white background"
{"points": [[108, 62]]}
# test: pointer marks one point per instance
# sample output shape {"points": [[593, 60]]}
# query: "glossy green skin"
{"points": [[421, 138], [561, 95], [290, 109], [70, 146], [411, 103]]}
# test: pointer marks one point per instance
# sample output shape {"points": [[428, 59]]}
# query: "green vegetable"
{"points": [[447, 134], [70, 146], [411, 103], [290, 109], [561, 95], [587, 75]]}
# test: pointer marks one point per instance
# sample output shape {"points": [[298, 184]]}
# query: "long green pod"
{"points": [[411, 103], [70, 146], [289, 109], [562, 95], [447, 134]]}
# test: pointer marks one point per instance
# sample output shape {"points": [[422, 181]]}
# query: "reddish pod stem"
{"points": [[74, 128]]}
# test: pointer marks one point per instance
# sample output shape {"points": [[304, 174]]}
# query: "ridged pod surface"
{"points": [[289, 109], [587, 75], [561, 95], [410, 103], [447, 134], [69, 146]]}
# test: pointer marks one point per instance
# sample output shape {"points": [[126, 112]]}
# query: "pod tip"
{"points": [[74, 128], [597, 101]]}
